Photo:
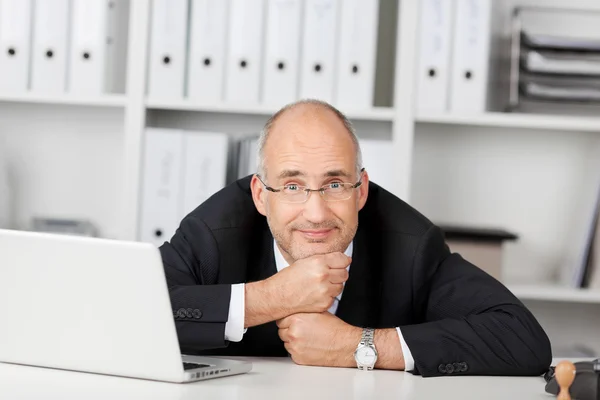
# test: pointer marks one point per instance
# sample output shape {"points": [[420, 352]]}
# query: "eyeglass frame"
{"points": [[308, 190]]}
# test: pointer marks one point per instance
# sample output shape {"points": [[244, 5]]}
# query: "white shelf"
{"points": [[106, 100], [372, 114], [515, 120], [555, 293]]}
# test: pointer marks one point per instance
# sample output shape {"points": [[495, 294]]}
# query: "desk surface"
{"points": [[271, 378]]}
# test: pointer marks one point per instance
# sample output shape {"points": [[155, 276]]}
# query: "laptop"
{"points": [[93, 305]]}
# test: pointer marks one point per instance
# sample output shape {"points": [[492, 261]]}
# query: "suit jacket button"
{"points": [[464, 367], [449, 369], [457, 367], [197, 313], [442, 368], [188, 313], [181, 313]]}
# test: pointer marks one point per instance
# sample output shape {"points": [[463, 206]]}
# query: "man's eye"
{"points": [[291, 188], [335, 185]]}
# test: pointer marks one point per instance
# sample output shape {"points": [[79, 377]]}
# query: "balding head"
{"points": [[305, 112]]}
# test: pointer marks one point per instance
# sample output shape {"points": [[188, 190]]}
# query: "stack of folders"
{"points": [[459, 49], [268, 52], [559, 69], [582, 269], [63, 46], [247, 156], [181, 169], [591, 277]]}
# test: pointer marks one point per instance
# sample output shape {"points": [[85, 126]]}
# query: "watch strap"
{"points": [[367, 337]]}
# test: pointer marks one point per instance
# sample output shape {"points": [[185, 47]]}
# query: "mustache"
{"points": [[320, 225]]}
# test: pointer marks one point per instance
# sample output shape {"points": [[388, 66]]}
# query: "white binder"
{"points": [[244, 56], [434, 50], [357, 52], [49, 48], [318, 49], [97, 57], [282, 52], [161, 198], [205, 170], [15, 45], [471, 56], [206, 63], [168, 44]]}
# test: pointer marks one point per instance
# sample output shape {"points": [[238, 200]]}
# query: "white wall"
{"points": [[526, 181], [66, 162]]}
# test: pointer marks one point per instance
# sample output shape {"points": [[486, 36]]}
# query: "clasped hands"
{"points": [[312, 335]]}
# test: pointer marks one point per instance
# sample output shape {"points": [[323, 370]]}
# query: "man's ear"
{"points": [[258, 195], [363, 190]]}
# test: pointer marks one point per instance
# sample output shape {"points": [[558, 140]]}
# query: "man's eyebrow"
{"points": [[337, 172], [290, 173]]}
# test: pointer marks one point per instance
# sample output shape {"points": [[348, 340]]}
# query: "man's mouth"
{"points": [[315, 233]]}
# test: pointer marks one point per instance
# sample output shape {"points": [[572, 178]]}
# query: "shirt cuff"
{"points": [[234, 328], [409, 361]]}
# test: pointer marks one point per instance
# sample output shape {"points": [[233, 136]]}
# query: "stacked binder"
{"points": [[247, 157], [58, 46], [459, 49], [581, 265], [181, 169], [268, 52], [585, 270]]}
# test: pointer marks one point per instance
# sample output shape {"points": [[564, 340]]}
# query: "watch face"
{"points": [[366, 355]]}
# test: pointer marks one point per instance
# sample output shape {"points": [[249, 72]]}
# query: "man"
{"points": [[309, 258]]}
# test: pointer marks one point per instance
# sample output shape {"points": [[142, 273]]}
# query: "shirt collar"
{"points": [[281, 263]]}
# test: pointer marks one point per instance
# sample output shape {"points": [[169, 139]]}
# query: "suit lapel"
{"points": [[360, 299]]}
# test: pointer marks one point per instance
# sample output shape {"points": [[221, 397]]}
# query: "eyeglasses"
{"points": [[296, 194]]}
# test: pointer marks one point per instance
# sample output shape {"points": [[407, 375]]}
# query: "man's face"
{"points": [[310, 147]]}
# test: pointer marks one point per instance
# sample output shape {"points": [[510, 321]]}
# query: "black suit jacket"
{"points": [[455, 318]]}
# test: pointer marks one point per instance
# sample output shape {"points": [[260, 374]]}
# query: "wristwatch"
{"points": [[366, 354]]}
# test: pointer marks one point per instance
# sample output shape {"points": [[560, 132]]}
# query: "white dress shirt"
{"points": [[234, 328]]}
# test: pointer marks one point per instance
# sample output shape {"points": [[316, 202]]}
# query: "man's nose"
{"points": [[316, 209]]}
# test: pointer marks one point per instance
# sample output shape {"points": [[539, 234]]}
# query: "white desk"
{"points": [[271, 378]]}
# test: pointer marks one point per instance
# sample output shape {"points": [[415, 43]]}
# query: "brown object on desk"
{"points": [[480, 246], [565, 375]]}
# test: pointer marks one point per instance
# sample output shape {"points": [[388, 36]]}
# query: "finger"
{"points": [[338, 275], [337, 260], [335, 289], [288, 348], [284, 335], [284, 323]]}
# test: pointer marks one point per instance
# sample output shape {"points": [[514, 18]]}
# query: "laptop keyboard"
{"points": [[187, 366]]}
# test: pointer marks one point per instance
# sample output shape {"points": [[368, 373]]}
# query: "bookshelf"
{"points": [[512, 120], [106, 100], [532, 163], [555, 294]]}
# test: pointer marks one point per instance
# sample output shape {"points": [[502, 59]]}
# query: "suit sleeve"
{"points": [[471, 323], [200, 307]]}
